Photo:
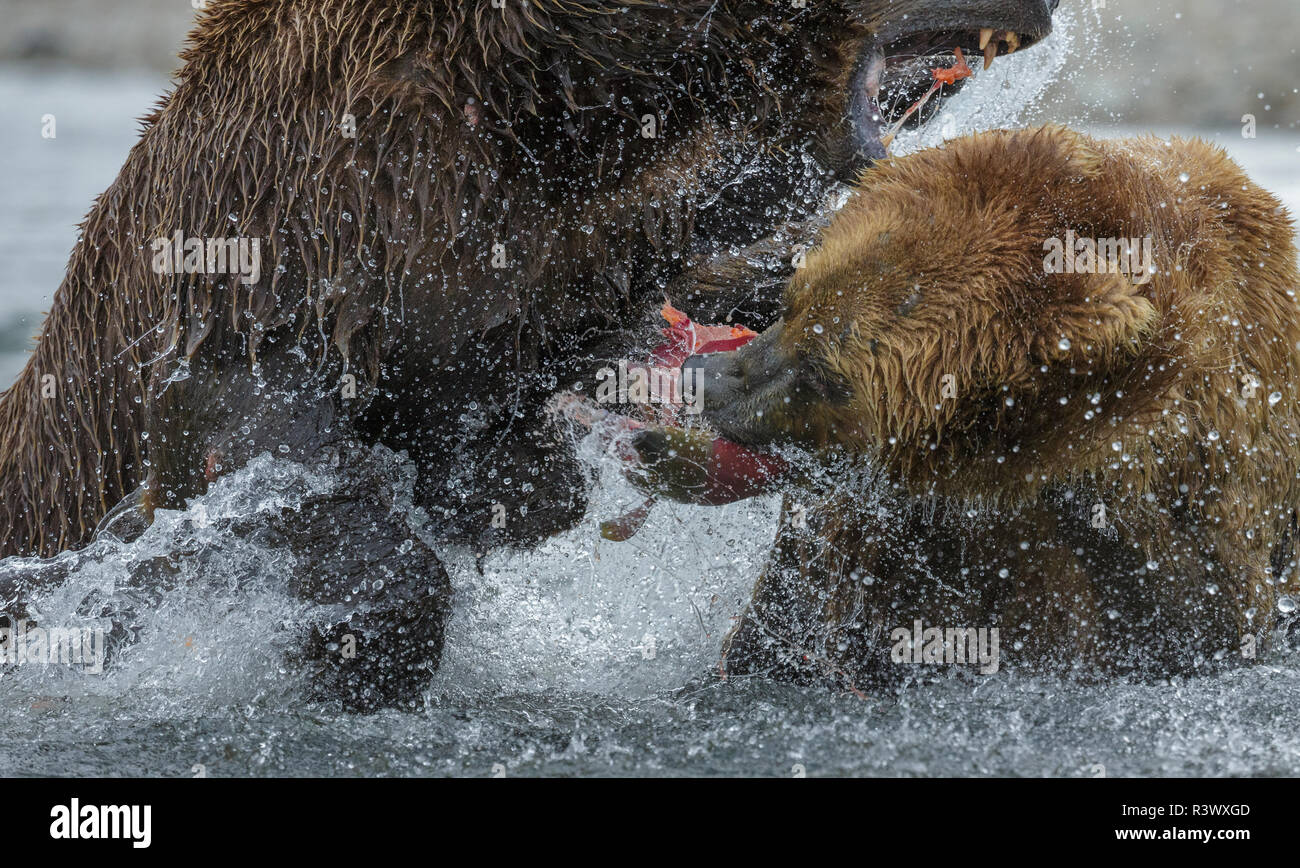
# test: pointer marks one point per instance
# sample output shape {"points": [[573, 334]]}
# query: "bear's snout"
{"points": [[746, 394]]}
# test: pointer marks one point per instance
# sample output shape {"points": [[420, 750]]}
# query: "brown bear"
{"points": [[1070, 367], [442, 212]]}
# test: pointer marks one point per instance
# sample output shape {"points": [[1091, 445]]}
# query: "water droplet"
{"points": [[1184, 177], [817, 328], [1285, 604], [1063, 344], [1274, 397]]}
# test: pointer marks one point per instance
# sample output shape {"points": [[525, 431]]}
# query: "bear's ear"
{"points": [[1079, 153], [1084, 159], [1093, 317]]}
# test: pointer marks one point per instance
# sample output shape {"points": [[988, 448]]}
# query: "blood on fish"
{"points": [[954, 73]]}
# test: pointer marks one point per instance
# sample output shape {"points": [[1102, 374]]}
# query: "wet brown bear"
{"points": [[1098, 458], [461, 207]]}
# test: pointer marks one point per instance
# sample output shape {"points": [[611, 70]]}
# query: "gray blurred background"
{"points": [[1194, 66], [1183, 61]]}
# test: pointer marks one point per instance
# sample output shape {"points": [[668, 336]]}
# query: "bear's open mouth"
{"points": [[910, 59], [897, 71]]}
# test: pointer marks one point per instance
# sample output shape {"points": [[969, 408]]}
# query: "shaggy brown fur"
{"points": [[475, 126], [1100, 468], [491, 229]]}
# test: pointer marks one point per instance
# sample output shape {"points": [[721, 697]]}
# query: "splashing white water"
{"points": [[213, 618], [207, 610], [621, 618]]}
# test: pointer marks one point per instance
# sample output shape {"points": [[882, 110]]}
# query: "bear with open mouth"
{"points": [[1071, 368]]}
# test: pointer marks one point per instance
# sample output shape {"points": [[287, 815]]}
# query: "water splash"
{"points": [[196, 614], [624, 619]]}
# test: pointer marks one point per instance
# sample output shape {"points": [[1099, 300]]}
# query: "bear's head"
{"points": [[928, 331]]}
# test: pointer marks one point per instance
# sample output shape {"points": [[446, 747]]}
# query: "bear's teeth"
{"points": [[990, 46], [990, 52]]}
